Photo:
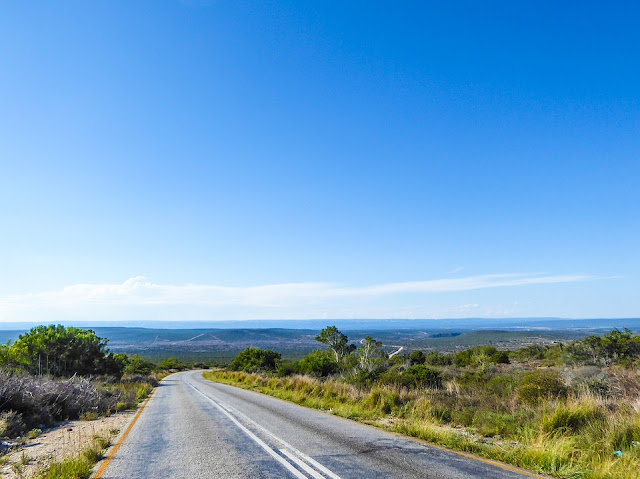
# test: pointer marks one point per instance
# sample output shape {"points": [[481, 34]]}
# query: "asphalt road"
{"points": [[194, 428]]}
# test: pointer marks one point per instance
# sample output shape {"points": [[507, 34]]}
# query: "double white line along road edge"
{"points": [[299, 458]]}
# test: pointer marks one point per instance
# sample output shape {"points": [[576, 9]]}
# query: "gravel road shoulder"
{"points": [[68, 438]]}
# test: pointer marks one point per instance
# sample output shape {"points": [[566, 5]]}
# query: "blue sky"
{"points": [[229, 160]]}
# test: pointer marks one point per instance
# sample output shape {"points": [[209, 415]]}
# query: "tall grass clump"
{"points": [[80, 466]]}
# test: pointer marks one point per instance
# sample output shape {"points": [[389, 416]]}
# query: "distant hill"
{"points": [[225, 340], [464, 324]]}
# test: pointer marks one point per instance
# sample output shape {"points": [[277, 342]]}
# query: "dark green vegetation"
{"points": [[60, 351], [220, 346], [568, 410], [53, 373]]}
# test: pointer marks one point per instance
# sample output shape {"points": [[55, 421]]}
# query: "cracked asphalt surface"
{"points": [[194, 428]]}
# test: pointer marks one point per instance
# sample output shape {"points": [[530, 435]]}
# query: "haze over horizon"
{"points": [[200, 160]]}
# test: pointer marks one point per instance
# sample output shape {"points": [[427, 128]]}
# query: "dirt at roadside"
{"points": [[66, 439]]}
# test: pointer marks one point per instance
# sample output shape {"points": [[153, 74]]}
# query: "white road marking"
{"points": [[304, 466], [218, 402], [259, 441], [299, 453]]}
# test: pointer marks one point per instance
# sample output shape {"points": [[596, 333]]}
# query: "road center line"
{"points": [[286, 445], [304, 466], [259, 441]]}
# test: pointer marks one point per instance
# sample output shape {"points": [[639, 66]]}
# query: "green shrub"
{"points": [[287, 368], [625, 436], [490, 423], [137, 365], [500, 357], [464, 416], [421, 376], [528, 353], [480, 355], [501, 385], [416, 357], [435, 358], [11, 424], [538, 385], [34, 433], [572, 419], [441, 413], [254, 359], [385, 400], [171, 363], [69, 468], [318, 363]]}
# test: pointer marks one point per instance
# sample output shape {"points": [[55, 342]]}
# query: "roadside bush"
{"points": [[137, 365], [254, 360], [362, 378], [27, 402], [489, 423], [441, 413], [384, 399], [318, 363], [480, 355], [11, 424], [435, 358], [502, 385], [621, 347], [529, 353], [538, 385], [571, 419], [171, 364], [499, 357], [421, 376], [44, 400], [287, 368], [625, 436], [416, 357]]}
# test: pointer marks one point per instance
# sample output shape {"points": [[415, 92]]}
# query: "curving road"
{"points": [[194, 428]]}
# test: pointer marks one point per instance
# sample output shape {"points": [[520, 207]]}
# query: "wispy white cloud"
{"points": [[285, 300], [455, 270]]}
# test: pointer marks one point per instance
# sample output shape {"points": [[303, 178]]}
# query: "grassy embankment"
{"points": [[521, 415]]}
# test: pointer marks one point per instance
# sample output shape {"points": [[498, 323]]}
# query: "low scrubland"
{"points": [[29, 402], [570, 411]]}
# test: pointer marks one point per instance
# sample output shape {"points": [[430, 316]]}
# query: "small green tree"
{"points": [[171, 363], [416, 357], [337, 342], [370, 355], [318, 363], [254, 360], [61, 351], [421, 376], [138, 365]]}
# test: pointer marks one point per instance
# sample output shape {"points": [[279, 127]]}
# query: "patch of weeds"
{"points": [[69, 468], [89, 416], [18, 469], [78, 467], [34, 433], [102, 441]]}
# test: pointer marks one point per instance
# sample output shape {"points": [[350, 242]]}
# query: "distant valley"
{"points": [[295, 339]]}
